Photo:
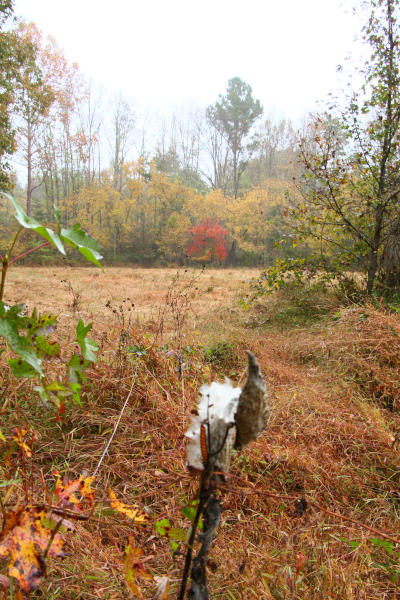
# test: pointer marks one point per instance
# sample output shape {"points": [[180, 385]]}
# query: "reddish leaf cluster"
{"points": [[76, 495], [209, 241]]}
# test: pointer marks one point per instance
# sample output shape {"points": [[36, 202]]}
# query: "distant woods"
{"points": [[143, 186]]}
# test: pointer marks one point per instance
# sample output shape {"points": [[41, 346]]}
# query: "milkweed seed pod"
{"points": [[252, 413], [211, 433], [214, 417]]}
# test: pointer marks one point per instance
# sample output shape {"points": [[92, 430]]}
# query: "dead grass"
{"points": [[328, 441], [362, 345], [45, 288]]}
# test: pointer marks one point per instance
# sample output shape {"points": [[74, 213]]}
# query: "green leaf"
{"points": [[57, 215], [45, 325], [388, 546], [88, 346], [137, 349], [76, 392], [31, 223], [21, 368], [54, 386], [77, 238], [76, 366], [47, 395], [190, 511], [8, 482], [42, 393], [46, 347], [162, 527], [177, 533], [19, 344]]}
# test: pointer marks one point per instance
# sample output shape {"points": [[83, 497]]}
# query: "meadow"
{"points": [[146, 288], [310, 508]]}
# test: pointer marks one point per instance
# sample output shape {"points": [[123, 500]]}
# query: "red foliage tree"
{"points": [[209, 241]]}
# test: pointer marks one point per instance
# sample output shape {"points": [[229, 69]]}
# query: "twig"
{"points": [[28, 252], [228, 428], [62, 512], [5, 262], [116, 424], [52, 536], [210, 508], [157, 382], [3, 510], [343, 518], [211, 514], [180, 371]]}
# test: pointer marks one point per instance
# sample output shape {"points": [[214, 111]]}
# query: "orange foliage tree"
{"points": [[209, 241]]}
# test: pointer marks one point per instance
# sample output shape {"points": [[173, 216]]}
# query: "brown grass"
{"points": [[330, 440], [44, 288]]}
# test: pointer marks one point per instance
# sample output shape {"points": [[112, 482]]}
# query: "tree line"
{"points": [[132, 192]]}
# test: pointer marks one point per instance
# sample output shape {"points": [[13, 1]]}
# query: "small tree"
{"points": [[349, 190], [209, 241], [11, 59], [233, 116], [33, 100]]}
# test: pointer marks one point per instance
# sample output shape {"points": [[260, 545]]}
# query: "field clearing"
{"points": [[49, 289]]}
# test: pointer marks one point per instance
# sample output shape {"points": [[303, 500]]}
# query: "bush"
{"points": [[220, 354], [295, 305]]}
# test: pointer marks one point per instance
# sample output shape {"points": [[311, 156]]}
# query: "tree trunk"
{"points": [[29, 165], [231, 259], [372, 269]]}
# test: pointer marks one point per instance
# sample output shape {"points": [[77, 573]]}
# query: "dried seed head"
{"points": [[253, 411]]}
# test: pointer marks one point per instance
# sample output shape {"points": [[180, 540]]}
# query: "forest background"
{"points": [[211, 190]]}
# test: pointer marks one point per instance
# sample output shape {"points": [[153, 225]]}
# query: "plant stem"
{"points": [[5, 262], [189, 551], [3, 511], [3, 276], [52, 536], [11, 262], [14, 242]]}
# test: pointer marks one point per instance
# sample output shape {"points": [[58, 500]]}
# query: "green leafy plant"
{"points": [[174, 534], [219, 353], [385, 555], [30, 336], [391, 563]]}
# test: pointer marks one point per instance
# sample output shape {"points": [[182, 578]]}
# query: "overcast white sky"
{"points": [[177, 52]]}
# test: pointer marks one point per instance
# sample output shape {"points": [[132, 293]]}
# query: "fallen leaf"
{"points": [[76, 495], [134, 568], [132, 512], [24, 540], [19, 436]]}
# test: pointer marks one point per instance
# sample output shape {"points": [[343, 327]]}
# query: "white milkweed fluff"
{"points": [[217, 406]]}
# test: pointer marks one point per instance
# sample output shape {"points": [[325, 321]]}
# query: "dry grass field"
{"points": [[332, 441], [54, 289]]}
